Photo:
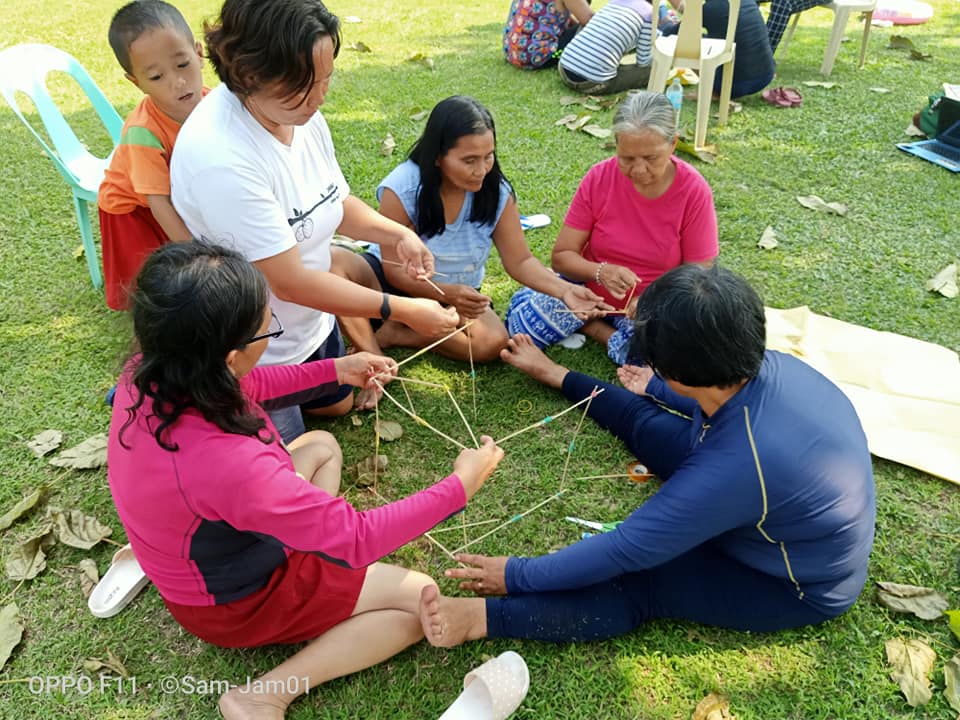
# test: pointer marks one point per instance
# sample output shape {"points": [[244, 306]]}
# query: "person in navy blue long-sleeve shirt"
{"points": [[765, 520]]}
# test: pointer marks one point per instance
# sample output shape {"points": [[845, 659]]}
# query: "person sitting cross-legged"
{"points": [[765, 519]]}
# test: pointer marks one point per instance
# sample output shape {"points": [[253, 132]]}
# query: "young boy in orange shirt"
{"points": [[156, 48]]}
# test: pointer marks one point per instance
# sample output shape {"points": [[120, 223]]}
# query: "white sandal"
{"points": [[121, 584], [492, 691]]}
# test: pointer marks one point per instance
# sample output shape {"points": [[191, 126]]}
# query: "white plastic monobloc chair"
{"points": [[24, 69], [688, 49], [841, 15]]}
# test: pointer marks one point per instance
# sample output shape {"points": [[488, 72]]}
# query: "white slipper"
{"points": [[573, 341], [531, 222], [492, 691], [119, 586]]}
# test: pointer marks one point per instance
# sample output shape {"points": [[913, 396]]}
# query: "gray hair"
{"points": [[643, 111]]}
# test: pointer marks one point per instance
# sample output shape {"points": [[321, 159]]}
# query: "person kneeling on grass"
{"points": [[245, 538], [766, 517]]}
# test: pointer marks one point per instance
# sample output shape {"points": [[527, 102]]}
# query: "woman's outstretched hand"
{"points": [[360, 368], [473, 467], [488, 576], [585, 303]]}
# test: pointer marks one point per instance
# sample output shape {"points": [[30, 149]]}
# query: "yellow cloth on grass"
{"points": [[906, 391]]}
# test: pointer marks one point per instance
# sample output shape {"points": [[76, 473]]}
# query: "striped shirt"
{"points": [[620, 27]]}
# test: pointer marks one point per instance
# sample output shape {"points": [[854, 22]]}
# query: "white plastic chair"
{"points": [[24, 69], [841, 15], [688, 49]]}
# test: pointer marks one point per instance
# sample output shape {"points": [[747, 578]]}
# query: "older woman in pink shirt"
{"points": [[634, 217]]}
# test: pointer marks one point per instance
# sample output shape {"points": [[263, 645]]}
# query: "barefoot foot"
{"points": [[528, 358], [448, 622], [242, 704]]}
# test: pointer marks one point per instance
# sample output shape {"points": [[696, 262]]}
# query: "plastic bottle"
{"points": [[675, 96]]}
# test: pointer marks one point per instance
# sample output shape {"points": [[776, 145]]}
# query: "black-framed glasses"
{"points": [[274, 330]]}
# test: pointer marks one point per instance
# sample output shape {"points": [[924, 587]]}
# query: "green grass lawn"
{"points": [[60, 350]]}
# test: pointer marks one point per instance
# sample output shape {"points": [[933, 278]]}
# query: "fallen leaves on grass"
{"points": [[20, 509], [77, 530], [574, 121], [91, 453], [360, 47], [421, 59], [817, 203], [913, 131], [89, 576], [713, 707], [355, 420], [880, 90], [369, 468], [820, 83], [912, 662], [597, 131], [945, 281], [11, 631], [708, 153], [29, 559], [419, 115], [112, 664], [45, 442], [388, 145], [951, 678], [768, 241], [954, 617], [389, 430]]}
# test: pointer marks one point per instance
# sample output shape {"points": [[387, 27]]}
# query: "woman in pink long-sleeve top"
{"points": [[246, 539]]}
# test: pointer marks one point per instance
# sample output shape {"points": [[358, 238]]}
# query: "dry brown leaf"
{"points": [[912, 662], [421, 59], [45, 442], [768, 241], [566, 119], [819, 204], [926, 603], [388, 430], [112, 664], [951, 678], [820, 83], [913, 131], [77, 530], [708, 153], [368, 468], [89, 576], [945, 281], [713, 707], [388, 145], [597, 131], [360, 47], [879, 90], [419, 115], [91, 453], [11, 631], [351, 19], [20, 509], [28, 559], [355, 420]]}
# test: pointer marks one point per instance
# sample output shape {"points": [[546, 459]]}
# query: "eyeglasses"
{"points": [[275, 330]]}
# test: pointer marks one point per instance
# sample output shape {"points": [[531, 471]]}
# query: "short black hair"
{"points": [[193, 303], [135, 18], [256, 42], [450, 120], [701, 326]]}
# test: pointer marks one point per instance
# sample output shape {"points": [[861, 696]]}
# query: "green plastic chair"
{"points": [[24, 69]]}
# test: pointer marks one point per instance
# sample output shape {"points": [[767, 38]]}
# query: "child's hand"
{"points": [[473, 467]]}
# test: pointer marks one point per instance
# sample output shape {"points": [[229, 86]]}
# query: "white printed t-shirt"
{"points": [[235, 184]]}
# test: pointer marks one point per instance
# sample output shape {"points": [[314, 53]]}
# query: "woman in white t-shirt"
{"points": [[255, 169]]}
